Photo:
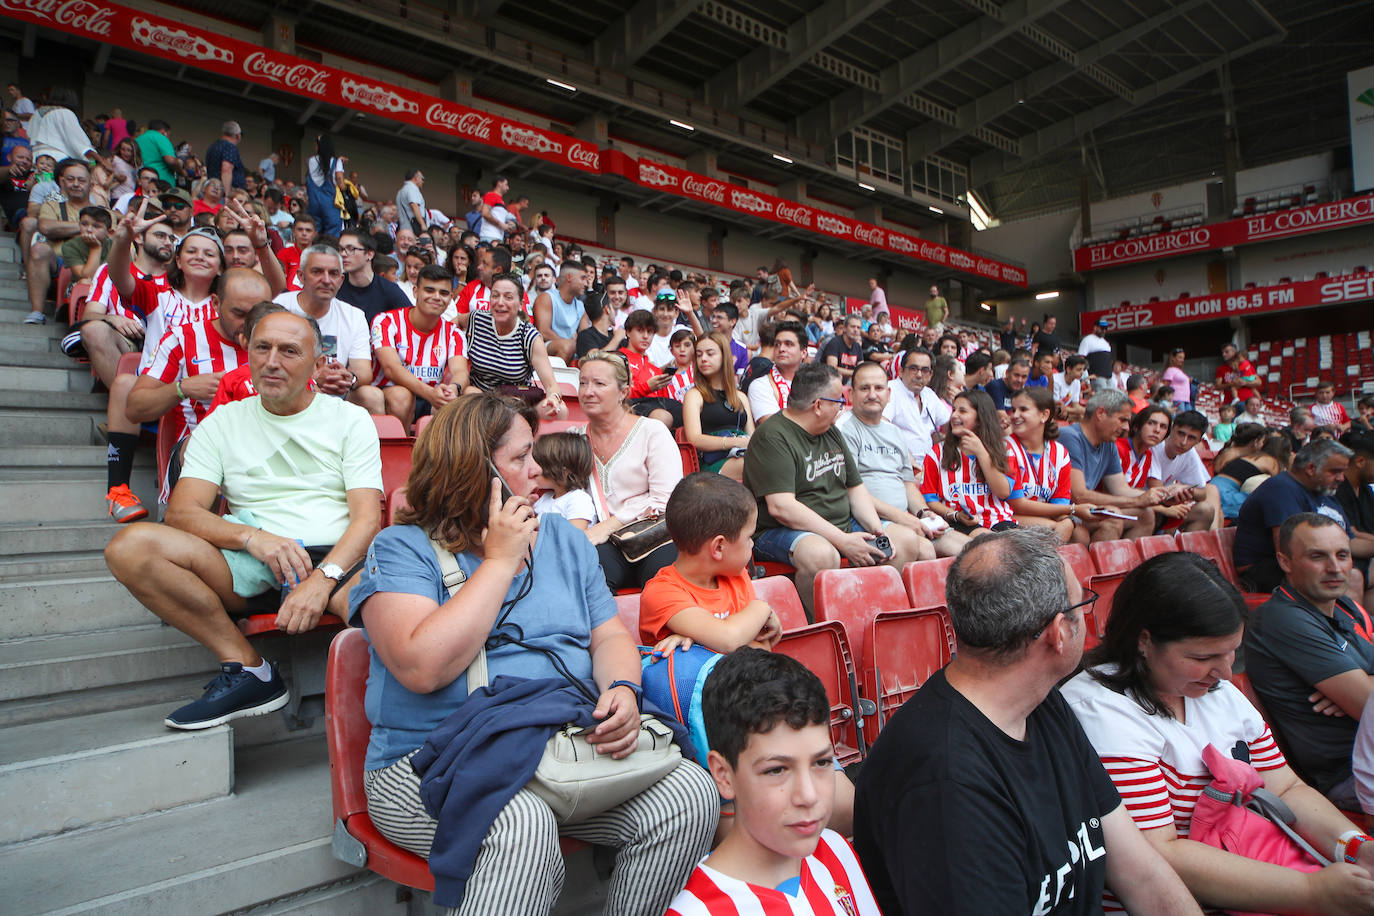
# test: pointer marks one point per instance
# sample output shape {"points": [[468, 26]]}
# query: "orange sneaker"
{"points": [[124, 506]]}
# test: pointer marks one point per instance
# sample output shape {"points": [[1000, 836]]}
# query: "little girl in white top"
{"points": [[566, 462]]}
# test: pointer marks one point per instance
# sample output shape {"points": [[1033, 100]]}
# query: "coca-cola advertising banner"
{"points": [[140, 31], [1306, 294], [673, 180], [149, 34], [1263, 227]]}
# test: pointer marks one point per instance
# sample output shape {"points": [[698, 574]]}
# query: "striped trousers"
{"points": [[661, 835]]}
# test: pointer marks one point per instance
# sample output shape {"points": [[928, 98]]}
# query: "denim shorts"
{"points": [[776, 544]]}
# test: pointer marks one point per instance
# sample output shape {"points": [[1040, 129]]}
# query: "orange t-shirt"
{"points": [[668, 592]]}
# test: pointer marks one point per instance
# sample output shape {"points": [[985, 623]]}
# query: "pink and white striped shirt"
{"points": [[425, 355], [964, 487]]}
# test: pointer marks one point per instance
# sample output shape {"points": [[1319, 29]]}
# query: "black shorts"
{"points": [[969, 529], [645, 406]]}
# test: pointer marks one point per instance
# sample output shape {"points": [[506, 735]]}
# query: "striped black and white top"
{"points": [[496, 359]]}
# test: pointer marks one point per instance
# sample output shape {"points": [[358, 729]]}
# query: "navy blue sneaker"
{"points": [[234, 694]]}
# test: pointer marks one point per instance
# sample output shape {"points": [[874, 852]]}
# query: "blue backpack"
{"points": [[674, 684]]}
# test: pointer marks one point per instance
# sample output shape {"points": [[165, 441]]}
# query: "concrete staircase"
{"points": [[102, 808]]}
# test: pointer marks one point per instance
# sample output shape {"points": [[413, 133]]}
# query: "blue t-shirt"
{"points": [[567, 600], [1096, 463], [1000, 393], [1274, 502], [1041, 382], [220, 152]]}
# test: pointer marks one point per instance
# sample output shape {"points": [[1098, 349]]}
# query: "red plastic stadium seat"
{"points": [[1207, 545], [851, 597], [128, 363], [627, 609], [395, 502], [76, 300], [1113, 560], [824, 650], [395, 463], [1156, 544], [388, 427], [1076, 555], [267, 623], [557, 426], [1242, 682], [356, 839], [165, 446], [925, 582], [903, 648], [691, 461], [421, 423], [64, 281], [781, 595]]}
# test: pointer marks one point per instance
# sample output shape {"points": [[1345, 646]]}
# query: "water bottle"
{"points": [[292, 581]]}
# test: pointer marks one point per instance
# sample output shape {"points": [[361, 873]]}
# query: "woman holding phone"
{"points": [[969, 477]]}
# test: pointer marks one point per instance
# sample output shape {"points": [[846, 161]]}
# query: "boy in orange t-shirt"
{"points": [[706, 597]]}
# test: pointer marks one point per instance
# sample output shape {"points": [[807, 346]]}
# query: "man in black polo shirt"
{"points": [[1305, 487], [1046, 341], [1309, 651], [845, 350], [1357, 499]]}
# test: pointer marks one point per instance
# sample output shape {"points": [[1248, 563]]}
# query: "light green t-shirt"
{"points": [[293, 473], [935, 310], [152, 145]]}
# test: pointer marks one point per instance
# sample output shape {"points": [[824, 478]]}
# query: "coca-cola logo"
{"points": [[177, 41], [302, 77], [468, 123], [870, 235], [832, 225], [752, 203], [378, 97], [586, 156], [714, 191], [528, 139], [798, 214], [931, 251], [961, 260], [988, 268], [77, 14], [655, 177]]}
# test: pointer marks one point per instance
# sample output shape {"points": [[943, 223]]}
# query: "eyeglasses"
{"points": [[352, 249], [1089, 599], [919, 370], [832, 400]]}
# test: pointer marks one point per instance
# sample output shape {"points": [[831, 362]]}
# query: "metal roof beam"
{"points": [[855, 106], [933, 137], [989, 165], [765, 66], [634, 35]]}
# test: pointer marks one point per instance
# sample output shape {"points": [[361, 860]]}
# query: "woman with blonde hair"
{"points": [[637, 467], [715, 413]]}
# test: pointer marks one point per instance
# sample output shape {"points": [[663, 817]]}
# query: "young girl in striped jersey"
{"points": [[1044, 465], [684, 349], [969, 477], [1148, 429]]}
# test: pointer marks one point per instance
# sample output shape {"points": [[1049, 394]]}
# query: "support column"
{"points": [[279, 33], [703, 162], [793, 190], [456, 86], [715, 245], [870, 213], [594, 128], [288, 139], [606, 209], [806, 266]]}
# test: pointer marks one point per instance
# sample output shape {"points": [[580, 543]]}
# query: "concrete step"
{"points": [[69, 773], [166, 693], [267, 842], [42, 666], [28, 538], [80, 400], [43, 338], [71, 563], [38, 359], [63, 380], [67, 604], [66, 456], [38, 495], [22, 427]]}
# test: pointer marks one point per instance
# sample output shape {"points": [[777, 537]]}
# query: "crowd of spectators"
{"points": [[273, 316]]}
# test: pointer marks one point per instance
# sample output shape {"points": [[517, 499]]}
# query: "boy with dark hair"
{"points": [[706, 596], [767, 723], [1327, 410], [723, 319], [648, 382]]}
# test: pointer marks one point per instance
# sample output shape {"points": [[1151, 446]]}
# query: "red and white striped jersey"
{"points": [[1332, 414], [193, 349], [832, 884], [1156, 763], [166, 309], [103, 291], [475, 297], [964, 488], [1137, 468], [682, 380], [425, 355], [1044, 477]]}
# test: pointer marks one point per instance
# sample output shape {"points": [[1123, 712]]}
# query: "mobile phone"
{"points": [[669, 370], [882, 543], [506, 494]]}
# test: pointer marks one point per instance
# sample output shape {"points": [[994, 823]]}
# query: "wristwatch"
{"points": [[635, 688], [332, 571]]}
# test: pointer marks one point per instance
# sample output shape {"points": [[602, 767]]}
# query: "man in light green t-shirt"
{"points": [[937, 309], [297, 468]]}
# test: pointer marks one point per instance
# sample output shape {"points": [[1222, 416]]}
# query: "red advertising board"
{"points": [[1262, 227], [146, 33], [1307, 294]]}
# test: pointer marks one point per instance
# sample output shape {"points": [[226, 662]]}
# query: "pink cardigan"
{"points": [[642, 473]]}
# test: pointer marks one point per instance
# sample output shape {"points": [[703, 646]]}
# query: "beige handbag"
{"points": [[574, 780]]}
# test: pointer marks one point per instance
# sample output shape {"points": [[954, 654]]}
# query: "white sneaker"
{"points": [[36, 318]]}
